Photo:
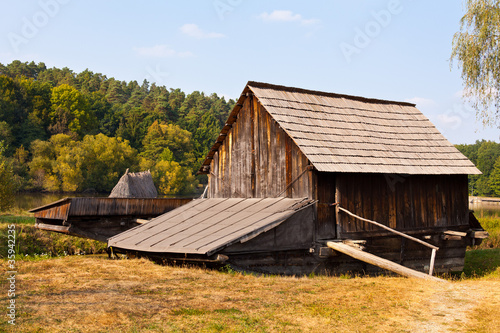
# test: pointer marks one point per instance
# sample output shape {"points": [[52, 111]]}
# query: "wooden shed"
{"points": [[135, 185], [359, 160]]}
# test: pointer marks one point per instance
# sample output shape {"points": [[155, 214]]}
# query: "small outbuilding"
{"points": [[371, 173], [135, 185]]}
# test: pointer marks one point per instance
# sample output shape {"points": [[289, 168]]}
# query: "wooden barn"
{"points": [[338, 170]]}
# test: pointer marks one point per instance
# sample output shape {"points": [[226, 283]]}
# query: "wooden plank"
{"points": [[380, 262], [480, 234], [52, 227], [252, 153], [455, 233], [288, 165], [338, 199]]}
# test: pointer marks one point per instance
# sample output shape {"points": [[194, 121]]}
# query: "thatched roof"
{"points": [[340, 133], [135, 185]]}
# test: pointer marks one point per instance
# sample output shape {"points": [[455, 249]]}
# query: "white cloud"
{"points": [[161, 51], [286, 16], [422, 102], [193, 30]]}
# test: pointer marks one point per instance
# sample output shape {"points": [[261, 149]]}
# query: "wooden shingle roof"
{"points": [[205, 226], [341, 133]]}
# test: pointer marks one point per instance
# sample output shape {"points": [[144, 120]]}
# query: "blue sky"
{"points": [[388, 49]]}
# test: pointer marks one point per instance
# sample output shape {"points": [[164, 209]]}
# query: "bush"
{"points": [[492, 226]]}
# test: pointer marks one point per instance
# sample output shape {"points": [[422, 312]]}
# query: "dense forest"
{"points": [[486, 156], [76, 132]]}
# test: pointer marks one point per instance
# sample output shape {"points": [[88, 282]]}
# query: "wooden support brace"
{"points": [[380, 262]]}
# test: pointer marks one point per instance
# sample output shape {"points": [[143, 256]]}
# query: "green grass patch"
{"points": [[482, 264], [189, 312], [16, 219]]}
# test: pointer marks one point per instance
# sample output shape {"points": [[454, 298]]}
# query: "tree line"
{"points": [[486, 156], [73, 132]]}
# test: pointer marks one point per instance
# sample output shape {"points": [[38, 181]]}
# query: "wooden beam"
{"points": [[380, 262], [480, 234], [455, 233], [52, 227]]}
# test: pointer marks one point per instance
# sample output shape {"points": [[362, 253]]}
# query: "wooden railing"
{"points": [[434, 248]]}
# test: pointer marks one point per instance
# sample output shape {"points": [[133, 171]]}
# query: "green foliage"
{"points": [[494, 180], [103, 160], [492, 226], [71, 112], [485, 155], [171, 178], [7, 185], [476, 47], [160, 124], [96, 162]]}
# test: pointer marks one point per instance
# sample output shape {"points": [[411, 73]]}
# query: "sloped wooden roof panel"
{"points": [[205, 226], [341, 133]]}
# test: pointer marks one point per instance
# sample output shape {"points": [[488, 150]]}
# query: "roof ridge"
{"points": [[323, 93]]}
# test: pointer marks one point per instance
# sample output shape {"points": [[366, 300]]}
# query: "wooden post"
{"points": [[433, 257], [337, 200]]}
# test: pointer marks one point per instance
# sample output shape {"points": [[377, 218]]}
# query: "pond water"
{"points": [[485, 209]]}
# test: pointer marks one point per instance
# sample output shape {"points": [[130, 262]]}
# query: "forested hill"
{"points": [[72, 132], [486, 156]]}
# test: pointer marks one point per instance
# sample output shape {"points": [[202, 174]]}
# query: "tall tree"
{"points": [[71, 111], [7, 182], [476, 47]]}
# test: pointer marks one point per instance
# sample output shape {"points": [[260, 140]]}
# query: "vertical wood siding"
{"points": [[257, 159], [403, 203]]}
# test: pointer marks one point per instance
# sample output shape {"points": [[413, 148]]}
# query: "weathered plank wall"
{"points": [[409, 203], [257, 159], [325, 194]]}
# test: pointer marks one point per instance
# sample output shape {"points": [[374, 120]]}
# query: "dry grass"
{"points": [[95, 294], [485, 317]]}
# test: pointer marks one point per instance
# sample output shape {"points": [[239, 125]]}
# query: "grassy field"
{"points": [[96, 294], [91, 293]]}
